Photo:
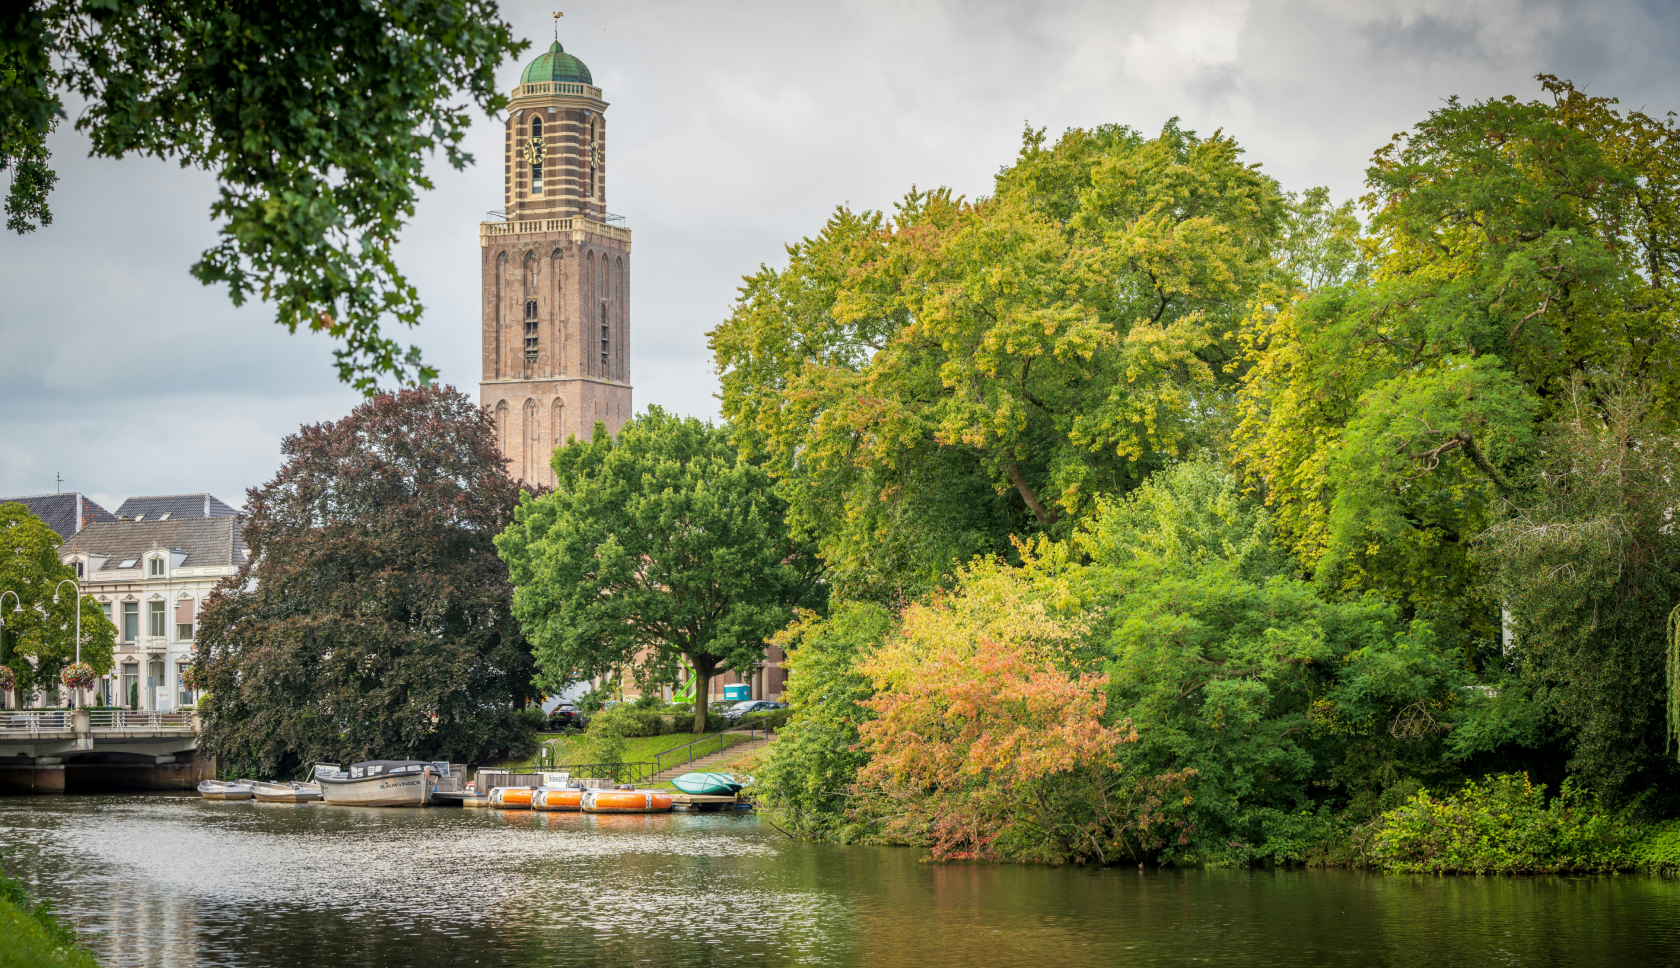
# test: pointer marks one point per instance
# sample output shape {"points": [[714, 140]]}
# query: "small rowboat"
{"points": [[511, 798], [708, 784], [291, 792], [625, 801], [224, 790], [555, 800]]}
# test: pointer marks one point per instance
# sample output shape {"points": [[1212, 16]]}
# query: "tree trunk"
{"points": [[703, 672]]}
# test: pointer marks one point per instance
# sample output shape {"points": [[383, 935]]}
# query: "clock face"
{"points": [[534, 151]]}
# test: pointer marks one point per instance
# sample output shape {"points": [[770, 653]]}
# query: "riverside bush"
{"points": [[1504, 824]]}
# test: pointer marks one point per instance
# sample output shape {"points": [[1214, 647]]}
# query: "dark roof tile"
{"points": [[59, 511], [208, 542]]}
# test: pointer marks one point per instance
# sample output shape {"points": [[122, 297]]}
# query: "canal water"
{"points": [[178, 881]]}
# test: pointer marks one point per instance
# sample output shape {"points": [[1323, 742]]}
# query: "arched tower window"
{"points": [[536, 165], [502, 427], [559, 428], [619, 302], [501, 273], [533, 441], [555, 264], [531, 337]]}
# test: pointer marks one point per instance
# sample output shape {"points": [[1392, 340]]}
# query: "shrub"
{"points": [[772, 719], [805, 781], [603, 742], [1659, 849], [530, 718], [1504, 824]]}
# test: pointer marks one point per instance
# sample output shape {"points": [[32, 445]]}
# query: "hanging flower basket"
{"points": [[78, 675], [8, 678], [191, 678]]}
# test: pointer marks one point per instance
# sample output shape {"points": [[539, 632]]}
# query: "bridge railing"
{"points": [[33, 723], [138, 719]]}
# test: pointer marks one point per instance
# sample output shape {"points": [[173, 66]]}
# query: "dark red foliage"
{"points": [[373, 618]]}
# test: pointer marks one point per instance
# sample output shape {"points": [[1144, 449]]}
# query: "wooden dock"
{"points": [[695, 801]]}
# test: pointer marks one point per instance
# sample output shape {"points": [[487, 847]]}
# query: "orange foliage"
{"points": [[983, 748]]}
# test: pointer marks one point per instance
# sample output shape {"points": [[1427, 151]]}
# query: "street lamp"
{"points": [[18, 603], [72, 582]]}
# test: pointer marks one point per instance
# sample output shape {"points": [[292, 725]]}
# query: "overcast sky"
{"points": [[736, 128]]}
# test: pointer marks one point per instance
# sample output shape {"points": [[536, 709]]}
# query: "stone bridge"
{"points": [[99, 751]]}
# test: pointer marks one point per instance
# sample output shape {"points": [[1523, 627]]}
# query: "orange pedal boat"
{"points": [[557, 801], [511, 798], [625, 801]]}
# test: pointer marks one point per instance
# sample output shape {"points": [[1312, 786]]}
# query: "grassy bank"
{"points": [[33, 937], [637, 749]]}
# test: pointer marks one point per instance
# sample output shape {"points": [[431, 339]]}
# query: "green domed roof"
{"points": [[556, 65]]}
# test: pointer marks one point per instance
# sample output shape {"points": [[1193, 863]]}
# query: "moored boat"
{"points": [[708, 784], [625, 801], [511, 798], [289, 792], [378, 783], [557, 800], [224, 790]]}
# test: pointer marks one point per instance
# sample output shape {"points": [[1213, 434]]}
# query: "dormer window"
{"points": [[79, 573], [155, 568], [165, 515]]}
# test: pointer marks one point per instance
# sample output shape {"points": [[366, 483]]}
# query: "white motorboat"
{"points": [[378, 783], [225, 790], [289, 792]]}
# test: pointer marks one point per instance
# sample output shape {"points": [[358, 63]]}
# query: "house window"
{"points": [[155, 568], [131, 685], [131, 621], [154, 625], [184, 631], [79, 570], [185, 695], [106, 608]]}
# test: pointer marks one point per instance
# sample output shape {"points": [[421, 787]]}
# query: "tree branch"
{"points": [[1045, 516]]}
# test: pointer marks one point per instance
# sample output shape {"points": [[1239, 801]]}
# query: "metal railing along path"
{"points": [[138, 719]]}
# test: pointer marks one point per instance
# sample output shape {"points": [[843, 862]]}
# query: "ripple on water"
{"points": [[183, 882]]}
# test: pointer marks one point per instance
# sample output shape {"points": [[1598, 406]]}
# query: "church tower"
{"points": [[556, 274]]}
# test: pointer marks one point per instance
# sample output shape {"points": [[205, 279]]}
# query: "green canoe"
{"points": [[708, 784]]}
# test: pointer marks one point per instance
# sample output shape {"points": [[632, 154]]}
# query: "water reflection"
{"points": [[178, 881]]}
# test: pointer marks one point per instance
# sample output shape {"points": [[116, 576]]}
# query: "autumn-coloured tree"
{"points": [[988, 740], [372, 618]]}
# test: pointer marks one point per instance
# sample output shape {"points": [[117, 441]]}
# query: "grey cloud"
{"points": [[735, 130]]}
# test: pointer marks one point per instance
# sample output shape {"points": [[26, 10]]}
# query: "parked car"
{"points": [[566, 716], [745, 706]]}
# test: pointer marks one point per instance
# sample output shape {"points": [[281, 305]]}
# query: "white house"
{"points": [[151, 570]]}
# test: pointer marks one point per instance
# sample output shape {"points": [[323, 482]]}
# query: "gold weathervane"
{"points": [[557, 16]]}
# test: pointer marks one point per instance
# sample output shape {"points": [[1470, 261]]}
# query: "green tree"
{"points": [[925, 387], [371, 618], [1513, 246], [663, 543], [1587, 569], [39, 641], [315, 117], [1227, 663]]}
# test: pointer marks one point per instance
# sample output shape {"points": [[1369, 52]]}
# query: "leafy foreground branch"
{"points": [[34, 937], [315, 117]]}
